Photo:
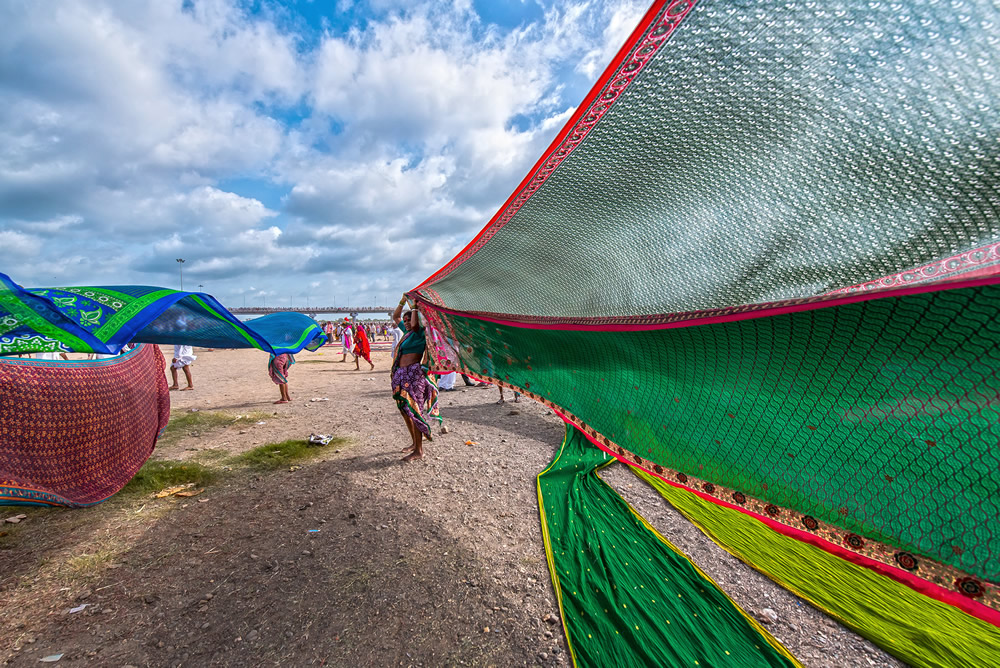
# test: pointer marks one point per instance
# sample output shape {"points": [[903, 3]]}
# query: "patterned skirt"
{"points": [[277, 367], [416, 395]]}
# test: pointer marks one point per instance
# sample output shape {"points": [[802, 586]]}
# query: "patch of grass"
{"points": [[88, 565], [8, 535], [156, 475], [211, 454], [180, 425], [274, 456]]}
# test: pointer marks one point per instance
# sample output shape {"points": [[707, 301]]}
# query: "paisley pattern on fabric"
{"points": [[416, 395], [74, 433], [104, 319]]}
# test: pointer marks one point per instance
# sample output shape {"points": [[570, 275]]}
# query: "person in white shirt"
{"points": [[397, 334], [184, 357]]}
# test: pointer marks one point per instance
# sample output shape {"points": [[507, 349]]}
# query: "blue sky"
{"points": [[340, 149]]}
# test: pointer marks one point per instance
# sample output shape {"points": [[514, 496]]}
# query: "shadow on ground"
{"points": [[302, 568]]}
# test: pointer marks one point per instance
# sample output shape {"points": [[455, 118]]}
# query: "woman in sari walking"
{"points": [[362, 348], [414, 390]]}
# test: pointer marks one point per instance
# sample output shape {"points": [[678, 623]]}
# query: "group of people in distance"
{"points": [[353, 338], [354, 341], [414, 388]]}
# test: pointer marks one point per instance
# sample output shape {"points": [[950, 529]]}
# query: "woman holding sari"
{"points": [[414, 390], [362, 348]]}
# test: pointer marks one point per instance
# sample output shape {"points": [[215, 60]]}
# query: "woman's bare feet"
{"points": [[410, 448], [174, 387], [413, 456], [189, 387], [281, 401]]}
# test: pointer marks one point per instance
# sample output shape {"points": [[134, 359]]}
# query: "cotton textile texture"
{"points": [[920, 630], [104, 319], [416, 395], [761, 262], [72, 433], [629, 597]]}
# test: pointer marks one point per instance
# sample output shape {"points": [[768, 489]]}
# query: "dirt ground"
{"points": [[354, 559]]}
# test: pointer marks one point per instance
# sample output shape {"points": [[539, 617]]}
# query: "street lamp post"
{"points": [[180, 268]]}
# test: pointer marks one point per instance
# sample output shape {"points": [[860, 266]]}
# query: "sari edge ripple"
{"points": [[549, 556], [934, 590], [577, 124], [900, 593], [737, 631], [771, 640]]}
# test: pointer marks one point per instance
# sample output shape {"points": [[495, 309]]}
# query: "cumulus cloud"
{"points": [[358, 152]]}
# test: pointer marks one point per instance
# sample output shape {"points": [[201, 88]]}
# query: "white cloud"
{"points": [[141, 132], [619, 20], [17, 245]]}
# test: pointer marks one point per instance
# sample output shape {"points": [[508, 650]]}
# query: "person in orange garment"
{"points": [[362, 348]]}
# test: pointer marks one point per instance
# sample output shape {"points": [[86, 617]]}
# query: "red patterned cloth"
{"points": [[361, 346], [74, 433]]}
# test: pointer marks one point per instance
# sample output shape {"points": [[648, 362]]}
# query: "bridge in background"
{"points": [[309, 310]]}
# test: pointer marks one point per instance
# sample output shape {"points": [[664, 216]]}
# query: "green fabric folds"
{"points": [[913, 627], [627, 596], [867, 421]]}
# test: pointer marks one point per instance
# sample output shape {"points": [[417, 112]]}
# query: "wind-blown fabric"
{"points": [[104, 319], [761, 262], [634, 597], [72, 433]]}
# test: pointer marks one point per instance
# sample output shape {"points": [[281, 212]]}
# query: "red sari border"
{"points": [[971, 263], [653, 30], [929, 589], [716, 316], [952, 596]]}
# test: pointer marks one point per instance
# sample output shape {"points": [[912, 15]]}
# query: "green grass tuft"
{"points": [[156, 475], [211, 454], [182, 424], [274, 456]]}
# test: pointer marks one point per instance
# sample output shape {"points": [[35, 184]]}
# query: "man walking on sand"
{"points": [[348, 343], [184, 357]]}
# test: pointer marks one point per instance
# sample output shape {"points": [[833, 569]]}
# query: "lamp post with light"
{"points": [[180, 268]]}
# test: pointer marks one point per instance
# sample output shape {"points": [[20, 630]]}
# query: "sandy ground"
{"points": [[353, 559]]}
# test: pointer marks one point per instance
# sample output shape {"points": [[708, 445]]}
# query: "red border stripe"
{"points": [[582, 110], [926, 588], [778, 308]]}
